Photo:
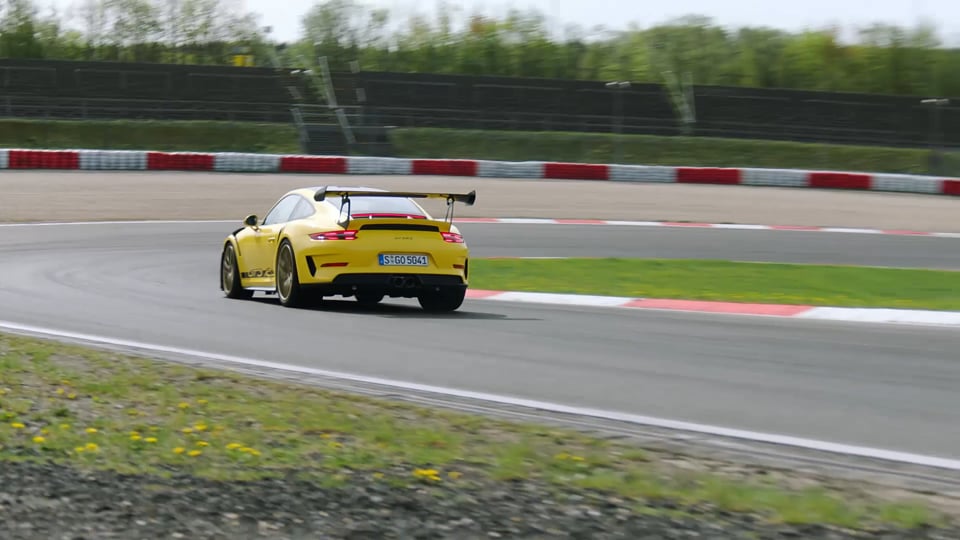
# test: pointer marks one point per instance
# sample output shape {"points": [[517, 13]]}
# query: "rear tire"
{"points": [[287, 279], [442, 301], [230, 275]]}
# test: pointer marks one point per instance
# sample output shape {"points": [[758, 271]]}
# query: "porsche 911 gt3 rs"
{"points": [[356, 242]]}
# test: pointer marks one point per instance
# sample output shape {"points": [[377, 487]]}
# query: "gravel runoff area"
{"points": [[52, 502], [107, 195]]}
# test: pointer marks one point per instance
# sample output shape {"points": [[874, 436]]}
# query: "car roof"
{"points": [[309, 192]]}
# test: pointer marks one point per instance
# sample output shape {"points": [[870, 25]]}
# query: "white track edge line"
{"points": [[784, 440]]}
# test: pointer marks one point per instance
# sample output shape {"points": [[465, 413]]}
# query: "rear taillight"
{"points": [[452, 237], [334, 235]]}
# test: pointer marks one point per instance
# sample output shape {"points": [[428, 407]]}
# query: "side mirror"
{"points": [[251, 220]]}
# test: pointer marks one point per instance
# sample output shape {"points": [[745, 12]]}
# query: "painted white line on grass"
{"points": [[786, 440]]}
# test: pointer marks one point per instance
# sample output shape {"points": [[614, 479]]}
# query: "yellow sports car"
{"points": [[350, 241]]}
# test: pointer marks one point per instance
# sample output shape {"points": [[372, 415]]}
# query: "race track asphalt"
{"points": [[505, 240], [893, 387]]}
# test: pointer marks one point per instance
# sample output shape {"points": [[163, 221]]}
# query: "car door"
{"points": [[260, 247]]}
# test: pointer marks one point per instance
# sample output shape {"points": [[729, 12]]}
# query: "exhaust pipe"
{"points": [[402, 282]]}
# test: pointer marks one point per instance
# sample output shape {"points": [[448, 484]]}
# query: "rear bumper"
{"points": [[394, 284]]}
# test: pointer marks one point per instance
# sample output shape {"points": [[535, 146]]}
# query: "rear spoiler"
{"points": [[467, 198]]}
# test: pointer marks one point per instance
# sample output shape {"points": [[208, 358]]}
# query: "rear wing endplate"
{"points": [[467, 198]]}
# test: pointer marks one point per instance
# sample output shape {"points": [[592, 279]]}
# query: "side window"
{"points": [[303, 210], [281, 211]]}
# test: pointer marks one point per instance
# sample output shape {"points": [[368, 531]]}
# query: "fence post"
{"points": [[619, 87]]}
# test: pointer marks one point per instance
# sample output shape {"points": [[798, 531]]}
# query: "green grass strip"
{"points": [[102, 410], [655, 150], [281, 138], [170, 136], [801, 284]]}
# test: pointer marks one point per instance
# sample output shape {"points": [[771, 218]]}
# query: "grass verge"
{"points": [[654, 150], [99, 409], [200, 136], [802, 284], [211, 136]]}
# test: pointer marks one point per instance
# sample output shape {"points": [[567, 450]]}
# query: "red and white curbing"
{"points": [[823, 313], [136, 160], [695, 225]]}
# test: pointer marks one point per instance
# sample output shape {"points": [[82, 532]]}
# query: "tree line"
{"points": [[883, 59]]}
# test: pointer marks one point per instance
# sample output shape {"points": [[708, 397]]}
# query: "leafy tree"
{"points": [[883, 58]]}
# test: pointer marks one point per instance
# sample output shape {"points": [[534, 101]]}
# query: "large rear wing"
{"points": [[467, 198], [345, 194]]}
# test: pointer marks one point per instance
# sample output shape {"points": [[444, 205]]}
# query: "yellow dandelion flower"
{"points": [[203, 444], [38, 439], [91, 430], [195, 453], [187, 430], [179, 450], [202, 401], [17, 425], [71, 396], [326, 436], [92, 447], [79, 449], [64, 426], [66, 382], [183, 405], [60, 391], [577, 458], [454, 475], [234, 446], [200, 427], [429, 474], [135, 437], [151, 440]]}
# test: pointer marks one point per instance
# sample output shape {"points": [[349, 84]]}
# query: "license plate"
{"points": [[403, 260]]}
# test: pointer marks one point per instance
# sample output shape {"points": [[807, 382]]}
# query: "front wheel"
{"points": [[230, 275], [288, 281], [442, 301]]}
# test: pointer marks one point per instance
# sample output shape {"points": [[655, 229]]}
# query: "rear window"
{"points": [[379, 205]]}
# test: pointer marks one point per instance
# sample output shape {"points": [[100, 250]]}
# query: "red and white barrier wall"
{"points": [[134, 160]]}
